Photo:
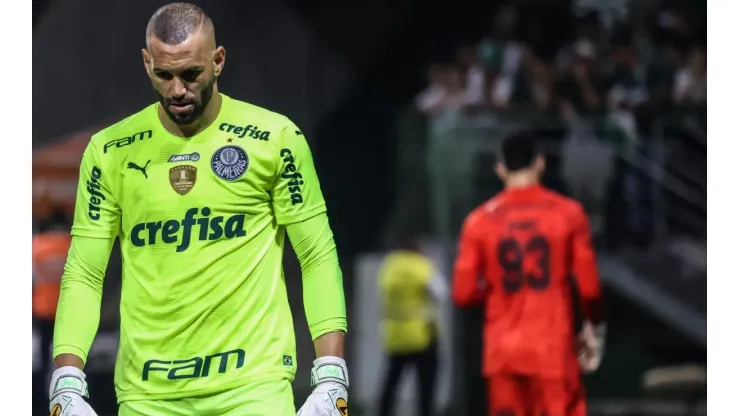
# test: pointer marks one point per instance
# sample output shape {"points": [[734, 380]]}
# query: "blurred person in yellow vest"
{"points": [[410, 290], [49, 254]]}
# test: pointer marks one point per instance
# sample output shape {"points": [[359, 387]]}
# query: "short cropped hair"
{"points": [[519, 151], [175, 22]]}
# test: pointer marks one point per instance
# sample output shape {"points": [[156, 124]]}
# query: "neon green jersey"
{"points": [[201, 225]]}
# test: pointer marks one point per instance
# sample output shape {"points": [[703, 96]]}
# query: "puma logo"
{"points": [[132, 165]]}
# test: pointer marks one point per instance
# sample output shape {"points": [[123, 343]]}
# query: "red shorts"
{"points": [[513, 395]]}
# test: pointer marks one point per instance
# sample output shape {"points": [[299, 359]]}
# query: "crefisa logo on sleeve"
{"points": [[96, 194], [229, 162]]}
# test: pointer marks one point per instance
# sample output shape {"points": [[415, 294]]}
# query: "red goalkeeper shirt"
{"points": [[516, 254]]}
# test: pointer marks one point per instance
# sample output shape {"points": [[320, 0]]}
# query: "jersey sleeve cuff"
{"points": [[338, 324], [70, 349]]}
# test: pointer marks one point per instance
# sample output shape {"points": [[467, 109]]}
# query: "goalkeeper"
{"points": [[201, 190]]}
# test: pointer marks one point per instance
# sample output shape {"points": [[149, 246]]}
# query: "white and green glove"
{"points": [[592, 341], [67, 393], [330, 382]]}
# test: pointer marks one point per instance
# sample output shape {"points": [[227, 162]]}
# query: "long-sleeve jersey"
{"points": [[517, 253]]}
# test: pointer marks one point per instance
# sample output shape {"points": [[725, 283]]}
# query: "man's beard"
{"points": [[199, 106]]}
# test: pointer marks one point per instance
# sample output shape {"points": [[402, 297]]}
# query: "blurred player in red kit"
{"points": [[517, 253]]}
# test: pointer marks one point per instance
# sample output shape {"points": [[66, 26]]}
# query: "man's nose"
{"points": [[178, 88]]}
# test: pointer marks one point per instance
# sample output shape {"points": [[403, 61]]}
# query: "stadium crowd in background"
{"points": [[653, 57], [606, 76]]}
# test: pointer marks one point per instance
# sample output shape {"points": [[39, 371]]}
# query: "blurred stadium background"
{"points": [[404, 103]]}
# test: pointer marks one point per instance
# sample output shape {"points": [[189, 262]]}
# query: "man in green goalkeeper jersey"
{"points": [[201, 189]]}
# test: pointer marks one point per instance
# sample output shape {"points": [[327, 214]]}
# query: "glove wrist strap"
{"points": [[329, 369], [68, 380]]}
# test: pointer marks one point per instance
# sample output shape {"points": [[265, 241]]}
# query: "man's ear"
{"points": [[219, 59], [501, 171], [540, 164], [147, 61]]}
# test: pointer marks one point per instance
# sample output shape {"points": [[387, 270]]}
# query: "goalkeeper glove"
{"points": [[330, 382], [67, 392], [592, 340]]}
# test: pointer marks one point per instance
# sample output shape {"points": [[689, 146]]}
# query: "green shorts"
{"points": [[273, 398]]}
